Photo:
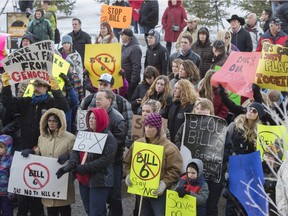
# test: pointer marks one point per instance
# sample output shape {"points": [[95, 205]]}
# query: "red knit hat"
{"points": [[102, 119]]}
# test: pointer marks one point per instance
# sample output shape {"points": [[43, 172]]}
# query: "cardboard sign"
{"points": [[103, 58], [116, 16], [90, 142], [145, 168], [36, 176], [17, 24], [272, 68], [81, 120], [176, 206], [30, 62], [59, 66], [3, 38], [247, 168], [204, 136], [238, 73], [267, 134], [137, 130]]}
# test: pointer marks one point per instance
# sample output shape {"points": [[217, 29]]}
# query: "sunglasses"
{"points": [[253, 110]]}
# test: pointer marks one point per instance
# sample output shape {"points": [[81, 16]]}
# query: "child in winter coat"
{"points": [[6, 207], [194, 184]]}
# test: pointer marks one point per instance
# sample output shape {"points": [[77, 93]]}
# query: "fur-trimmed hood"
{"points": [[44, 121]]}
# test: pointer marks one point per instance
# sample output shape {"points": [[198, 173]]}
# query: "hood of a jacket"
{"points": [[157, 40], [102, 119], [198, 163], [44, 122], [179, 3], [206, 32]]}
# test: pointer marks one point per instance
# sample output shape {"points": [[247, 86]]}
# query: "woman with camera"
{"points": [[173, 22]]}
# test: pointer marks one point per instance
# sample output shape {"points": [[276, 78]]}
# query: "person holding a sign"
{"points": [[170, 170], [54, 141], [94, 171]]}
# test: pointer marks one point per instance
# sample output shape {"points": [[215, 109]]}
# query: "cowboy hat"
{"points": [[236, 17]]}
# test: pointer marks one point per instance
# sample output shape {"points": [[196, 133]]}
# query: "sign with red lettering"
{"points": [[238, 73], [273, 67], [30, 62], [36, 176]]}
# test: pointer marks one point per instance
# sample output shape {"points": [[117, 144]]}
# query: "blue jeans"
{"points": [[136, 25], [6, 206], [116, 32], [94, 199], [115, 198], [154, 207]]}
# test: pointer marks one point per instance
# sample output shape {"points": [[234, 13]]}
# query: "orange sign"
{"points": [[116, 16]]}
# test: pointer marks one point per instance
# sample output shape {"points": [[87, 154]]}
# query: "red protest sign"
{"points": [[238, 73]]}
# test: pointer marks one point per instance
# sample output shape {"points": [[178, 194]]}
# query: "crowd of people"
{"points": [[173, 83]]}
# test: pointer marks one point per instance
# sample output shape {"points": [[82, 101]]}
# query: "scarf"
{"points": [[38, 99]]}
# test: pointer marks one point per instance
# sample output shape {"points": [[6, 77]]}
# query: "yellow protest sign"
{"points": [[145, 168], [176, 206], [273, 67], [116, 16], [267, 135], [103, 58], [60, 66], [29, 89]]}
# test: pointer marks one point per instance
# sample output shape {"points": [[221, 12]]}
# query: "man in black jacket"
{"points": [[156, 54], [118, 128], [149, 15]]}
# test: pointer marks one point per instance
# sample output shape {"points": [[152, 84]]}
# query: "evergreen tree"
{"points": [[209, 11], [65, 6], [253, 6]]}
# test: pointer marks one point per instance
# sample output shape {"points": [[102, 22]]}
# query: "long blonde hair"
{"points": [[221, 35], [206, 89], [249, 129], [188, 95]]}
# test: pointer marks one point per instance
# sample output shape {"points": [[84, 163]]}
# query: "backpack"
{"points": [[57, 38]]}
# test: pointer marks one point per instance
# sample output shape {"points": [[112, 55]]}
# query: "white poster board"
{"points": [[90, 142], [81, 120], [36, 176]]}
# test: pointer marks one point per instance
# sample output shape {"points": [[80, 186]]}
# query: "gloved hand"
{"points": [[122, 73], [81, 170], [160, 190], [4, 53], [5, 79], [255, 88], [63, 158], [54, 83], [66, 80], [69, 167], [181, 191], [26, 152], [128, 181]]}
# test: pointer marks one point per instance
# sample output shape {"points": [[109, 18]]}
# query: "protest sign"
{"points": [[90, 142], [81, 120], [3, 38], [137, 129], [30, 62], [145, 168], [116, 16], [204, 136], [247, 168], [273, 67], [176, 206], [267, 134], [36, 176], [17, 24], [103, 58], [59, 66], [238, 73]]}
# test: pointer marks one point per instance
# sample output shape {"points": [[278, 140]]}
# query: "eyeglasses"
{"points": [[253, 110]]}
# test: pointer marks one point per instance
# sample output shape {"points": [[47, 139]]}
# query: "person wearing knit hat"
{"points": [[94, 171], [257, 107], [169, 172], [67, 39]]}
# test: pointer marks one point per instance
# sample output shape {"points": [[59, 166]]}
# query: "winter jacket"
{"points": [[6, 161], [282, 14], [31, 113], [149, 14], [197, 187], [242, 40], [266, 26], [104, 40], [171, 162], [190, 55], [219, 60], [157, 56], [139, 92], [255, 33], [51, 11], [79, 40], [175, 116], [282, 189], [280, 38], [135, 4], [131, 62], [192, 32], [204, 50], [72, 99], [118, 128], [54, 146], [173, 15], [219, 107], [42, 29]]}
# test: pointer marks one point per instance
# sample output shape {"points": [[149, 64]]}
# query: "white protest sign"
{"points": [[81, 120], [36, 176], [90, 142], [30, 62]]}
